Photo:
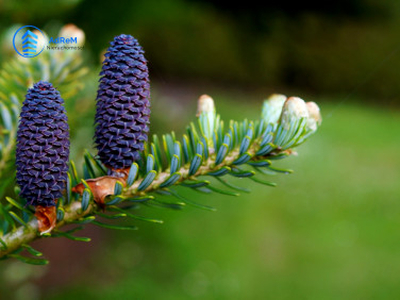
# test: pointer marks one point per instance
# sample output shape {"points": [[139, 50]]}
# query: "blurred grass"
{"points": [[328, 231]]}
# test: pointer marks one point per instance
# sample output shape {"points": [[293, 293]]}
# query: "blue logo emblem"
{"points": [[28, 41]]}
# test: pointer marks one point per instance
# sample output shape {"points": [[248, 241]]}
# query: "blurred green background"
{"points": [[328, 231]]}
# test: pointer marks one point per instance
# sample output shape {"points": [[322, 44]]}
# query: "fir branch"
{"points": [[211, 149], [73, 212]]}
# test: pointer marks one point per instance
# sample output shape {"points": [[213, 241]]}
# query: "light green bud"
{"points": [[315, 118], [294, 109], [272, 108]]}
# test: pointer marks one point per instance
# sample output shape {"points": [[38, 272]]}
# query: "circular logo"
{"points": [[29, 41]]}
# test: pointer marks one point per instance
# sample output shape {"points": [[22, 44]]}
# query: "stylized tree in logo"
{"points": [[29, 43]]}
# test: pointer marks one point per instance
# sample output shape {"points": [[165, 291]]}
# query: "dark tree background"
{"points": [[315, 46]]}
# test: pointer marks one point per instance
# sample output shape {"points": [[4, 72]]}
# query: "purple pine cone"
{"points": [[42, 146], [123, 107]]}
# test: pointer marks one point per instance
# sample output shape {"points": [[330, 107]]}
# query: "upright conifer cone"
{"points": [[123, 107], [42, 146]]}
